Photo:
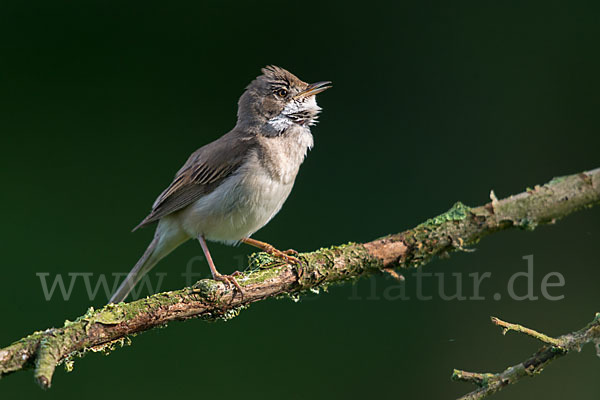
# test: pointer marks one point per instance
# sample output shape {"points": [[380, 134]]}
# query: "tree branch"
{"points": [[461, 226], [491, 383]]}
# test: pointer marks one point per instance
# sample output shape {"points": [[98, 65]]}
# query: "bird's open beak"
{"points": [[314, 88]]}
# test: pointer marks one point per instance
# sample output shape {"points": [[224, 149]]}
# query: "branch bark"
{"points": [[458, 228]]}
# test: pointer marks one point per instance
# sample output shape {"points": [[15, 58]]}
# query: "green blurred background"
{"points": [[100, 104]]}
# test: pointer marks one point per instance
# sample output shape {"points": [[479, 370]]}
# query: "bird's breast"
{"points": [[247, 200], [281, 156], [240, 206]]}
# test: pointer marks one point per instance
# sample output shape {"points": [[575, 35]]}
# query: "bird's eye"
{"points": [[281, 92]]}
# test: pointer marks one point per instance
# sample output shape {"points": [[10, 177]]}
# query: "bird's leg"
{"points": [[267, 248], [227, 279]]}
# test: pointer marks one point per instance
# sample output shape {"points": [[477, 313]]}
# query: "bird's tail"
{"points": [[162, 244]]}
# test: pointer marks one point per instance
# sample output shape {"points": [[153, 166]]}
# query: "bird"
{"points": [[230, 188]]}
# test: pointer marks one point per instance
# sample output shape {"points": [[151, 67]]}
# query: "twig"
{"points": [[490, 383], [460, 227], [507, 326]]}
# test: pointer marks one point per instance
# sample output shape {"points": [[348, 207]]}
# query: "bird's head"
{"points": [[277, 100]]}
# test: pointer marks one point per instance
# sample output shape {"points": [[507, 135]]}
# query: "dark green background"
{"points": [[433, 102]]}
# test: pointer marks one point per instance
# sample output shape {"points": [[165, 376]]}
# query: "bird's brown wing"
{"points": [[206, 168]]}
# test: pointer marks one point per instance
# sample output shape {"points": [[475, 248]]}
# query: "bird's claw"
{"points": [[269, 249], [229, 280], [291, 252], [285, 255]]}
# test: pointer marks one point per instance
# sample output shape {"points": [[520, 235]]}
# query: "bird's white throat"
{"points": [[307, 107]]}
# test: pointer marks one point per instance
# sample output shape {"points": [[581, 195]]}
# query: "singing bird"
{"points": [[230, 188]]}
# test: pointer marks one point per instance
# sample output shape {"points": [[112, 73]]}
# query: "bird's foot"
{"points": [[286, 255], [291, 252], [269, 249], [283, 255], [229, 280]]}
